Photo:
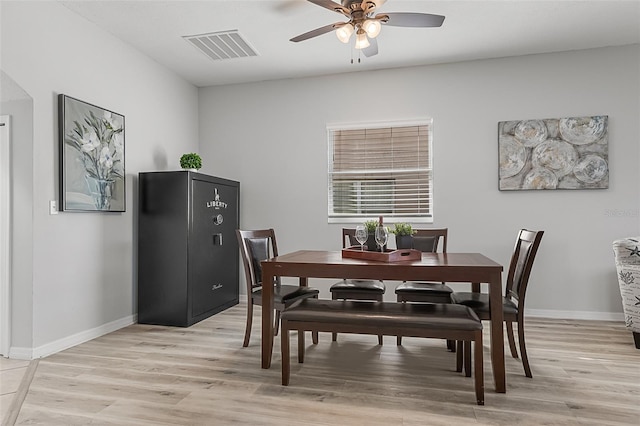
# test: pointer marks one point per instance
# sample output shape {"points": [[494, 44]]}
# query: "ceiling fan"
{"points": [[365, 24]]}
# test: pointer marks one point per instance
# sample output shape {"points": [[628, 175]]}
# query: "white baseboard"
{"points": [[21, 353], [70, 341], [85, 336], [579, 315]]}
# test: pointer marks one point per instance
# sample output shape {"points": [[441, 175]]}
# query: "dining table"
{"points": [[473, 268]]}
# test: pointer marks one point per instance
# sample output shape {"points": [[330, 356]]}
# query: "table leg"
{"points": [[304, 282], [267, 317], [497, 334]]}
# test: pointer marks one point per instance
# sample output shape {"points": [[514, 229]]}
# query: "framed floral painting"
{"points": [[92, 176]]}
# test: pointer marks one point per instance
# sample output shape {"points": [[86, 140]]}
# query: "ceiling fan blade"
{"points": [[408, 19], [372, 49], [316, 32], [331, 5]]}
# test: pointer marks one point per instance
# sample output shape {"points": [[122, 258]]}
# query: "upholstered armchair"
{"points": [[627, 256]]}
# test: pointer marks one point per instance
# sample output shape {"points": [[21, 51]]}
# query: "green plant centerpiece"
{"points": [[371, 225], [404, 235], [191, 161], [400, 229]]}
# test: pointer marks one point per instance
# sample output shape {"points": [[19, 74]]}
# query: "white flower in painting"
{"points": [[90, 141], [106, 159], [118, 143], [111, 121]]}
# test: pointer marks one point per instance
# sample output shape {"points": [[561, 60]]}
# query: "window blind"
{"points": [[377, 171]]}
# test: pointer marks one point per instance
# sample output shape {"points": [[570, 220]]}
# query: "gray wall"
{"points": [[76, 279], [81, 282], [271, 136]]}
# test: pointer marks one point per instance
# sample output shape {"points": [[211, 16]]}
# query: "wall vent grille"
{"points": [[222, 45]]}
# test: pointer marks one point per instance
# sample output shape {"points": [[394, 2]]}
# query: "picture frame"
{"points": [[92, 157], [554, 153]]}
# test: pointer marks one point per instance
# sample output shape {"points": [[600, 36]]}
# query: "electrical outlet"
{"points": [[53, 207]]}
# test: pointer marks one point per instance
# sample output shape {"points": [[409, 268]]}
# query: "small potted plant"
{"points": [[191, 161], [371, 226], [404, 235]]}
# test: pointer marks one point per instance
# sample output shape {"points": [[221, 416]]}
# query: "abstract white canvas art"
{"points": [[554, 153]]}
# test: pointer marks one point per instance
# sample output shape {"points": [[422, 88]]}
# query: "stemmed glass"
{"points": [[361, 236], [382, 234]]}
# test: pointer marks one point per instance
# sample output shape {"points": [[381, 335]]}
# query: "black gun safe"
{"points": [[187, 247]]}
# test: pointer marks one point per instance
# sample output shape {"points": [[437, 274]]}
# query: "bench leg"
{"points": [[334, 337], [451, 345], [300, 346], [479, 368], [284, 345], [459, 354], [399, 340], [380, 339], [314, 337]]}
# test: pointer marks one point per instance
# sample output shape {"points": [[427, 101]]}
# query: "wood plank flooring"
{"points": [[585, 373]]}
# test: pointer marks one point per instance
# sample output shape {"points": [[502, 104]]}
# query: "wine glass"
{"points": [[361, 235], [382, 234]]}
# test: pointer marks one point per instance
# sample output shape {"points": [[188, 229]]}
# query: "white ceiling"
{"points": [[472, 30]]}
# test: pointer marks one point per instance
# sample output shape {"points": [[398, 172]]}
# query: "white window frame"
{"points": [[332, 217]]}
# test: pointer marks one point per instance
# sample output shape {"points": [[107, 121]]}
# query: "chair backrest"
{"points": [[349, 237], [524, 253], [427, 240], [255, 247]]}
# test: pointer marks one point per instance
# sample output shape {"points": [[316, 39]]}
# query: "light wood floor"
{"points": [[585, 373], [11, 373]]}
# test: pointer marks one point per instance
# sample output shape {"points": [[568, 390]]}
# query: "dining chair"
{"points": [[427, 241], [524, 254], [356, 289], [256, 246]]}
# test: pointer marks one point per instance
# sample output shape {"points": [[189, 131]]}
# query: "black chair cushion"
{"points": [[423, 292], [425, 244], [424, 288], [286, 294], [387, 314], [479, 302], [259, 251], [365, 286]]}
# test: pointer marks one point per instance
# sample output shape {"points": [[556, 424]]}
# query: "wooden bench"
{"points": [[432, 320]]}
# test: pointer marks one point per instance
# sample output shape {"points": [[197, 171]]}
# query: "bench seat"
{"points": [[431, 320]]}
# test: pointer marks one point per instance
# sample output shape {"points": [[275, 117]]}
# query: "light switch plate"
{"points": [[53, 207]]}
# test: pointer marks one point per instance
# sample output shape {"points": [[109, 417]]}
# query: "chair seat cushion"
{"points": [[365, 286], [479, 302], [419, 287], [287, 293]]}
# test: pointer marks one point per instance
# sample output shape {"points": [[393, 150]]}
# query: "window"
{"points": [[380, 170]]}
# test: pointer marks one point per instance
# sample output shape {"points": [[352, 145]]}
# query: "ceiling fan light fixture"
{"points": [[344, 33], [372, 27], [361, 40]]}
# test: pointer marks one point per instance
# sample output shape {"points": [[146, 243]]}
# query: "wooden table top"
{"points": [[461, 267]]}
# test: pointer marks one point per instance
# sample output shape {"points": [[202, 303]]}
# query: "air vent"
{"points": [[222, 45]]}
